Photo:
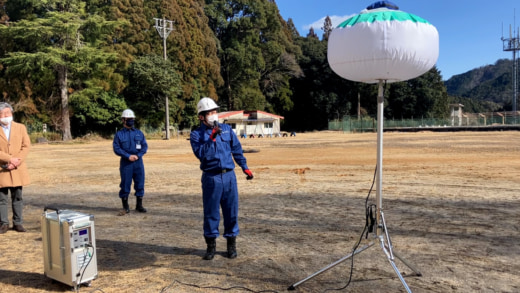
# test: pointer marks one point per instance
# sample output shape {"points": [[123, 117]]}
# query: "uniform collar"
{"points": [[205, 126]]}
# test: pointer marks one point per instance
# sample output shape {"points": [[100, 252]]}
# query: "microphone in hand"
{"points": [[216, 131]]}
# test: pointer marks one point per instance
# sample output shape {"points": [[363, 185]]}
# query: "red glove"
{"points": [[249, 174], [216, 131]]}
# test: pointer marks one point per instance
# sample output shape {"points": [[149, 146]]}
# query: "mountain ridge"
{"points": [[490, 86]]}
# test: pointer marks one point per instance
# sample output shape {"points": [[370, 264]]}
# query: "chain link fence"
{"points": [[369, 124]]}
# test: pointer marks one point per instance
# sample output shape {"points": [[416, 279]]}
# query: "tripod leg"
{"points": [[414, 269], [293, 286], [390, 256], [392, 263], [389, 250]]}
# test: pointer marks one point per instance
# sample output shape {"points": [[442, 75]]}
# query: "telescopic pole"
{"points": [[379, 175]]}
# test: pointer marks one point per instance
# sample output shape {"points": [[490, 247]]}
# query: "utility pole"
{"points": [[358, 106], [512, 44], [164, 28]]}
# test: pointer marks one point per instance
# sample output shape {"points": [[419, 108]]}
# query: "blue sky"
{"points": [[470, 32]]}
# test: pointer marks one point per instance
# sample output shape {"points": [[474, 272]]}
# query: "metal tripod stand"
{"points": [[381, 233]]}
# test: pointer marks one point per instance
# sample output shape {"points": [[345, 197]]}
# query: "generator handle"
{"points": [[51, 208]]}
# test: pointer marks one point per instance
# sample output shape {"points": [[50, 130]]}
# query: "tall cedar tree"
{"points": [[59, 40], [327, 28], [191, 48], [256, 52]]}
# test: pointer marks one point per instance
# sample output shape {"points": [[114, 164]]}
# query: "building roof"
{"points": [[266, 113], [229, 113], [242, 115]]}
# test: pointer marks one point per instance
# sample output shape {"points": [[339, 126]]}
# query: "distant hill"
{"points": [[490, 86]]}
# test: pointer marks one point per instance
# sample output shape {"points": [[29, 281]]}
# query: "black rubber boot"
{"points": [[212, 247], [125, 205], [139, 204], [231, 247]]}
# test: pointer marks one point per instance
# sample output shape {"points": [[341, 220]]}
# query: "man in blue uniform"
{"points": [[130, 144], [218, 148]]}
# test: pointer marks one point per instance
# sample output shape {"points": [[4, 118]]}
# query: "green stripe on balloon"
{"points": [[378, 16]]}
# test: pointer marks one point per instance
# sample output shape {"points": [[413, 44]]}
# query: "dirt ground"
{"points": [[450, 200]]}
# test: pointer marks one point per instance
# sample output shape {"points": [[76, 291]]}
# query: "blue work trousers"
{"points": [[131, 171], [220, 191]]}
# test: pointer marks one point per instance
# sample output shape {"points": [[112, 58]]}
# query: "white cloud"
{"points": [[318, 24]]}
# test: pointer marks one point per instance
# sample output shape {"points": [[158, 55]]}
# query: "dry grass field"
{"points": [[451, 203]]}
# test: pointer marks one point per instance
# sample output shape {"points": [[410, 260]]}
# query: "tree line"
{"points": [[76, 65], [488, 88]]}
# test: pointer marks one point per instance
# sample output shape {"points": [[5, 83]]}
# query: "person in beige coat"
{"points": [[14, 147]]}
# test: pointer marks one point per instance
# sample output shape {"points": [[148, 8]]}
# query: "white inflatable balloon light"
{"points": [[383, 43]]}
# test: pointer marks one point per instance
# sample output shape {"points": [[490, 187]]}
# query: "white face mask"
{"points": [[212, 119], [6, 120]]}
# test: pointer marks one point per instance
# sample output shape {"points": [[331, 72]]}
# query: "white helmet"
{"points": [[128, 114], [206, 104]]}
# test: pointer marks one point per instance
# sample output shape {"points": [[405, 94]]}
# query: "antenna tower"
{"points": [[513, 44]]}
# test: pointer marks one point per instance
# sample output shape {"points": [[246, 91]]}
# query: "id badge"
{"points": [[138, 145]]}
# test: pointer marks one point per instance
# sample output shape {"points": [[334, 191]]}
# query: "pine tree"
{"points": [[63, 43]]}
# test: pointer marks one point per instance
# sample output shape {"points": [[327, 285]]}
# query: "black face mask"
{"points": [[130, 122]]}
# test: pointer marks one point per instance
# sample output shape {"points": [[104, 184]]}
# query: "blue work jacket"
{"points": [[129, 142], [217, 155]]}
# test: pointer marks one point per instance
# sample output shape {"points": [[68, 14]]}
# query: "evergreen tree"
{"points": [[3, 14], [312, 34], [60, 45], [280, 54], [191, 46], [293, 32], [151, 79], [310, 96], [424, 96], [327, 28], [256, 53]]}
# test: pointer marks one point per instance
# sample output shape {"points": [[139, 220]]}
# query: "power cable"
{"points": [[368, 226], [215, 287]]}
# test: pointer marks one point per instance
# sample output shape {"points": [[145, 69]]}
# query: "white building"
{"points": [[252, 123]]}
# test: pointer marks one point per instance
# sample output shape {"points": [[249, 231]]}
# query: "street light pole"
{"points": [[164, 28]]}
